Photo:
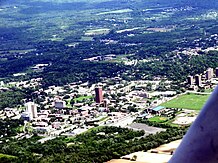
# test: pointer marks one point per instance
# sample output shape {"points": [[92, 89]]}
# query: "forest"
{"points": [[98, 145], [55, 33], [13, 97]]}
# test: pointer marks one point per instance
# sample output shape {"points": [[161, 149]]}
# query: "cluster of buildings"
{"points": [[33, 83], [78, 106], [204, 80], [12, 113], [39, 67], [64, 110], [200, 46], [158, 110], [60, 118], [101, 58]]}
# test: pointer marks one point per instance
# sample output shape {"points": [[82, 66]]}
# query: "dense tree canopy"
{"points": [[98, 145]]}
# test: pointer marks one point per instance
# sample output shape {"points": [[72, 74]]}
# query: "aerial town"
{"points": [[77, 107], [107, 81]]}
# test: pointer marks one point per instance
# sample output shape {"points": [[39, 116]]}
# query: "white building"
{"points": [[209, 73], [31, 109]]}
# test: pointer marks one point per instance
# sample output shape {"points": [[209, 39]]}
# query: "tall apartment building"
{"points": [[190, 80], [98, 95], [31, 109], [217, 72], [198, 80], [209, 73]]}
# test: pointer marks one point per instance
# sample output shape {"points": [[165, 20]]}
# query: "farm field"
{"points": [[187, 101]]}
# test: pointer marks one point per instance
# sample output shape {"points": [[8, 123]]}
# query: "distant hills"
{"points": [[172, 3], [50, 26]]}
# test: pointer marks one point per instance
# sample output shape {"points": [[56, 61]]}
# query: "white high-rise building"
{"points": [[31, 108], [209, 73]]}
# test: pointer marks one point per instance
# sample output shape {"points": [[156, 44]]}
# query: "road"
{"points": [[46, 139], [58, 132], [122, 122]]}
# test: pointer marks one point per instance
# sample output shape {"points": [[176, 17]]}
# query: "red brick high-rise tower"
{"points": [[98, 95]]}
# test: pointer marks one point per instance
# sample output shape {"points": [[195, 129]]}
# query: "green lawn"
{"points": [[187, 101], [104, 118], [19, 128], [7, 158], [157, 119], [68, 103], [82, 98], [208, 90]]}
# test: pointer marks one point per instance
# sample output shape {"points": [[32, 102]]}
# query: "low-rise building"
{"points": [[60, 104], [157, 110]]}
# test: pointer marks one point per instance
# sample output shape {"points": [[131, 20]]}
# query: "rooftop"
{"points": [[158, 108], [143, 115]]}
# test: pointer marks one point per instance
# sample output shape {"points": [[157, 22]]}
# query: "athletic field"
{"points": [[187, 101]]}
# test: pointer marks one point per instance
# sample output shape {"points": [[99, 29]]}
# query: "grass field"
{"points": [[187, 101], [82, 98], [68, 103], [7, 158], [97, 32], [158, 119], [115, 12], [84, 38]]}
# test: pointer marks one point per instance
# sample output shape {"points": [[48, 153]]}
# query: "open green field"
{"points": [[187, 101], [208, 91], [97, 31], [116, 12], [158, 119], [82, 98]]}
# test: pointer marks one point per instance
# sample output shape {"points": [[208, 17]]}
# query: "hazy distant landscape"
{"points": [[52, 27]]}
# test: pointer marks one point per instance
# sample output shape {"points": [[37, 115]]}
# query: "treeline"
{"points": [[9, 128], [13, 97], [97, 145], [80, 71]]}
